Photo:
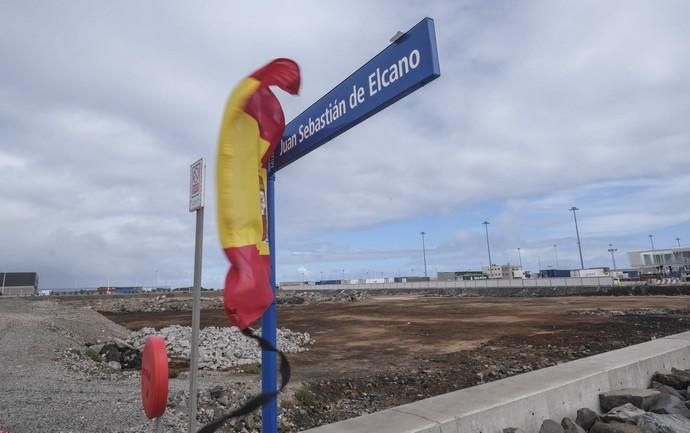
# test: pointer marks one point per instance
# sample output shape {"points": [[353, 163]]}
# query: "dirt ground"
{"points": [[387, 351], [393, 332]]}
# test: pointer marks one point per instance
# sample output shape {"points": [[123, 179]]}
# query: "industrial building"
{"points": [[589, 272], [19, 283], [461, 276], [503, 272], [674, 257], [665, 263]]}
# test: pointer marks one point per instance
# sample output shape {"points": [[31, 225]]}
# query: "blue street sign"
{"points": [[403, 67]]}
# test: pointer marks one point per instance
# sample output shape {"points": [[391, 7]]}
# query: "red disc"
{"points": [[154, 376]]}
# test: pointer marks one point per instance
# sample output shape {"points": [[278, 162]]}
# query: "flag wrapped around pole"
{"points": [[251, 128]]}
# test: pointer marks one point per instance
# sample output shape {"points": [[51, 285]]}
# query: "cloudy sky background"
{"points": [[541, 106]]}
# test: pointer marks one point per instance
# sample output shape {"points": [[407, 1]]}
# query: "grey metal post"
{"points": [[651, 240], [424, 252], [520, 256], [488, 248], [577, 232], [158, 425], [555, 249], [678, 240], [194, 367]]}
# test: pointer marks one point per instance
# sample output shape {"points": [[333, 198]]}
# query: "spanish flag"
{"points": [[251, 128]]}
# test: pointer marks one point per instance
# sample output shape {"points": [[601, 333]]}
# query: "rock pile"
{"points": [[118, 354], [159, 303], [220, 348], [318, 297], [663, 408]]}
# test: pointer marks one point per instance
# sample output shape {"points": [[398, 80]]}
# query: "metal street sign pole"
{"points": [[406, 65], [269, 381], [196, 204]]}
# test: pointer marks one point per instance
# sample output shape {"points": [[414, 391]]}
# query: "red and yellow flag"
{"points": [[251, 128]]}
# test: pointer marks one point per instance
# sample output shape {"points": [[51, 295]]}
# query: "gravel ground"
{"points": [[47, 385]]}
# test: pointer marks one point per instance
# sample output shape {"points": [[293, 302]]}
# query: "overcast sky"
{"points": [[540, 106]]}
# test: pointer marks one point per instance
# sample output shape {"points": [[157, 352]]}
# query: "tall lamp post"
{"points": [[577, 232], [555, 251], [678, 240], [651, 240], [488, 247], [424, 252], [520, 257], [613, 257]]}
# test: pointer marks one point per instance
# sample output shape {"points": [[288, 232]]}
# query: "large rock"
{"points": [[626, 413], [97, 347], [642, 398], [678, 379], [670, 405], [114, 365], [667, 389], [616, 427], [111, 353], [122, 345], [655, 423], [569, 426], [586, 418], [551, 426]]}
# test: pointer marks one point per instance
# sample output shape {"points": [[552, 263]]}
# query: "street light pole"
{"points": [[424, 252], [651, 240], [678, 240], [520, 256], [577, 232], [613, 257], [555, 250], [488, 247]]}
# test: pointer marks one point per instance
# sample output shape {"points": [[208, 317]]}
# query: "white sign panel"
{"points": [[196, 185]]}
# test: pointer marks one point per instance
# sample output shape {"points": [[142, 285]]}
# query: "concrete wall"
{"points": [[515, 283], [526, 400]]}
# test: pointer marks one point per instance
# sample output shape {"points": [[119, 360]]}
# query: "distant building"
{"points": [[590, 272], [328, 282], [554, 273], [19, 283], [105, 290], [411, 279], [461, 275], [503, 272], [674, 257]]}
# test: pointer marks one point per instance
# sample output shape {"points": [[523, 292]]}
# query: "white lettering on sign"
{"points": [[378, 80], [381, 79]]}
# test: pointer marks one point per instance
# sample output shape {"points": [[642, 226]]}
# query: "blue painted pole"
{"points": [[269, 322]]}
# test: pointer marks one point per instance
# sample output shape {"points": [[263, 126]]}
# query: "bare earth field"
{"points": [[391, 332], [393, 350], [368, 355]]}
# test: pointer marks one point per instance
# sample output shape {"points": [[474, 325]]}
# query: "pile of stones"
{"points": [[663, 408], [220, 347], [118, 354], [161, 303], [319, 297]]}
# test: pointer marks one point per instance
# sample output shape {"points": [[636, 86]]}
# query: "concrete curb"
{"points": [[526, 400]]}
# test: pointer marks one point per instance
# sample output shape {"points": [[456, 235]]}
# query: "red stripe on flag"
{"points": [[265, 108]]}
